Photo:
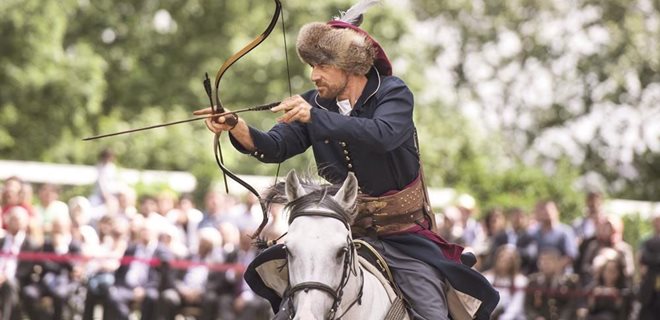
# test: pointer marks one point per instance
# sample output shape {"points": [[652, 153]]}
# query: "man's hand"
{"points": [[240, 131], [295, 109], [216, 124]]}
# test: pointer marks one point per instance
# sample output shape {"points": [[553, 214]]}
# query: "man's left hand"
{"points": [[295, 109]]}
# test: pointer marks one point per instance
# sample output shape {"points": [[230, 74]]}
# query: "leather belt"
{"points": [[392, 213]]}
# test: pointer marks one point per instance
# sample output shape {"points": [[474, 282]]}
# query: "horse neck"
{"points": [[374, 302]]}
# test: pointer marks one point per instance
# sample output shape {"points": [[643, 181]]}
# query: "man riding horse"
{"points": [[360, 119]]}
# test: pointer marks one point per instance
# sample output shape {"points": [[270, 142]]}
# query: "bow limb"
{"points": [[220, 109], [253, 44]]}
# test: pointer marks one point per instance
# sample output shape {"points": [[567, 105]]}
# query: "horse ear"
{"points": [[293, 188], [348, 192]]}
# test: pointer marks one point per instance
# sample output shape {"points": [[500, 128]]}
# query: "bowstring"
{"points": [[288, 73]]}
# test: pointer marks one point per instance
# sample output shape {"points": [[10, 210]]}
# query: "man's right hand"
{"points": [[216, 124]]}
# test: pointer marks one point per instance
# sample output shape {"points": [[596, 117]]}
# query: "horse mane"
{"points": [[319, 193]]}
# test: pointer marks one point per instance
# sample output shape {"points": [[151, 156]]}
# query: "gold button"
{"points": [[262, 156], [343, 144], [345, 151], [348, 159], [326, 141], [350, 166], [256, 153]]}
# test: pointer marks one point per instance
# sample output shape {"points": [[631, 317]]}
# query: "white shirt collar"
{"points": [[344, 107]]}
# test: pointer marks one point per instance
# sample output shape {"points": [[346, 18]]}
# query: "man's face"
{"points": [[330, 81]]}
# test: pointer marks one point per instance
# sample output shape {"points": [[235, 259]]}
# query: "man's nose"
{"points": [[315, 74]]}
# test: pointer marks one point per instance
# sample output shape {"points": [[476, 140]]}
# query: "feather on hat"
{"points": [[340, 42]]}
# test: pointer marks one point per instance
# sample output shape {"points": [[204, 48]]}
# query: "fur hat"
{"points": [[320, 43], [342, 43]]}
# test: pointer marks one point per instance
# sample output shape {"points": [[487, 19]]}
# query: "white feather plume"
{"points": [[354, 14]]}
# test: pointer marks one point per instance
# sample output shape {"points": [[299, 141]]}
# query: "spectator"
{"points": [[471, 232], [80, 212], [247, 215], [248, 305], [126, 202], [551, 233], [199, 285], [649, 291], [49, 206], [608, 235], [277, 224], [585, 227], [171, 238], [610, 295], [139, 281], [14, 274], [59, 278], [101, 272], [11, 197], [516, 234], [187, 219], [493, 224], [107, 181], [509, 282], [217, 209], [550, 292], [165, 202]]}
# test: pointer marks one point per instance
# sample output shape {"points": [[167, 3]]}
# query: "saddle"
{"points": [[268, 276]]}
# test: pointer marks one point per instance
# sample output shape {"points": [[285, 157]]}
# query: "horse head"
{"points": [[320, 252]]}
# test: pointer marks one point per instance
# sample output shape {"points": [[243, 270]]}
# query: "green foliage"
{"points": [[636, 229], [70, 69]]}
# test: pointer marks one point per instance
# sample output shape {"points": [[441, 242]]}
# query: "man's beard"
{"points": [[327, 91]]}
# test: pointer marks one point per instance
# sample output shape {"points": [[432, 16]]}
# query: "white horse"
{"points": [[326, 281]]}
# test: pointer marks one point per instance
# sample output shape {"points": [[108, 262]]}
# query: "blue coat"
{"points": [[376, 142]]}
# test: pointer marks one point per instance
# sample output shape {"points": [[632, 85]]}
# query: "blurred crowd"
{"points": [[546, 269], [112, 255]]}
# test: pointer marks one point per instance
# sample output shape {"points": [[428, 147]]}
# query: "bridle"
{"points": [[349, 265]]}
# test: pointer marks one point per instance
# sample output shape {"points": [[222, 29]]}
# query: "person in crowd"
{"points": [[101, 271], [551, 294], [246, 215], [142, 276], [505, 276], [217, 209], [14, 274], [107, 181], [247, 305], [551, 233], [59, 278], [493, 224], [11, 197], [473, 234], [80, 213], [126, 202], [609, 235], [187, 219], [277, 225], [200, 284], [49, 205], [172, 238], [516, 233], [585, 227], [649, 291], [165, 202], [610, 293], [26, 196]]}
